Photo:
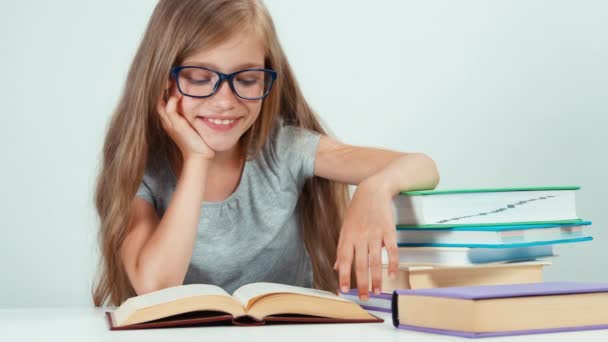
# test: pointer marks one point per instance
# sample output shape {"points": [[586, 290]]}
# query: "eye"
{"points": [[198, 77], [198, 81], [247, 82], [250, 78]]}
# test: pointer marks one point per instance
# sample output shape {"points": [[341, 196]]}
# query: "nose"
{"points": [[224, 98]]}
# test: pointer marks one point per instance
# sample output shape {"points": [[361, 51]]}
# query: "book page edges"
{"points": [[183, 305], [248, 294], [131, 305], [420, 277], [289, 303], [504, 314]]}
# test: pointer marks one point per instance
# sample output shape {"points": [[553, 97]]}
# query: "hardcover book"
{"points": [[424, 277], [441, 208], [498, 310], [251, 304], [463, 256], [493, 235]]}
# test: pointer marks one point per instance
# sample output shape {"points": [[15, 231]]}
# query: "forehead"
{"points": [[242, 49]]}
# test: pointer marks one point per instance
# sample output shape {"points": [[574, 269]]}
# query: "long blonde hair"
{"points": [[176, 30]]}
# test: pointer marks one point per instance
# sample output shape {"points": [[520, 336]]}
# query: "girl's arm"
{"points": [[353, 165], [156, 253], [369, 221]]}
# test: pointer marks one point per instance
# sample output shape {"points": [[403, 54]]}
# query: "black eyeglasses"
{"points": [[200, 82]]}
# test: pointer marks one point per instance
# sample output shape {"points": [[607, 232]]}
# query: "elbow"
{"points": [[434, 173], [146, 286], [431, 171], [146, 282], [142, 284]]}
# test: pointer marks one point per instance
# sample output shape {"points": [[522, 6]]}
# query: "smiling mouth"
{"points": [[219, 121], [220, 124]]}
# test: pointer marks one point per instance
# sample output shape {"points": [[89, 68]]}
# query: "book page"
{"points": [[175, 293], [247, 294]]}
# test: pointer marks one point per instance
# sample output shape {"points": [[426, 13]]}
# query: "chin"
{"points": [[221, 146], [218, 144]]}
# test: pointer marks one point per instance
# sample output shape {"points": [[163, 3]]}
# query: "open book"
{"points": [[251, 304]]}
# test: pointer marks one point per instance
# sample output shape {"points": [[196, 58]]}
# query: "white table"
{"points": [[89, 324]]}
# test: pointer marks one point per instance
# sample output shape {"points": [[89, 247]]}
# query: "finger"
{"points": [[345, 258], [337, 254], [362, 270], [171, 109], [390, 243], [375, 264], [160, 107]]}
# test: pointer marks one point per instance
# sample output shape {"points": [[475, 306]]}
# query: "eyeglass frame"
{"points": [[228, 77]]}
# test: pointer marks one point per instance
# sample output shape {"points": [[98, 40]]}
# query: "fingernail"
{"points": [[365, 298], [376, 291], [345, 289]]}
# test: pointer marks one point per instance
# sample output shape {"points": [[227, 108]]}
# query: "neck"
{"points": [[227, 158]]}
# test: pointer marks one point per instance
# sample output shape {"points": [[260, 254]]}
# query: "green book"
{"points": [[483, 207]]}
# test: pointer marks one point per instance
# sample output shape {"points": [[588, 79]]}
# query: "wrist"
{"points": [[194, 173], [380, 183], [197, 159], [196, 164]]}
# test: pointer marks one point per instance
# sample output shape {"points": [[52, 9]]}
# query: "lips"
{"points": [[219, 123]]}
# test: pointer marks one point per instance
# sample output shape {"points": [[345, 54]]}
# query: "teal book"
{"points": [[493, 235], [490, 206]]}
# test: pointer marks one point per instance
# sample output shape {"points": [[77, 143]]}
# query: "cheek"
{"points": [[174, 91], [187, 107], [254, 108]]}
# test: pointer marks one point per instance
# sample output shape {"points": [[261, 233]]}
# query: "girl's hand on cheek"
{"points": [[190, 143], [369, 224]]}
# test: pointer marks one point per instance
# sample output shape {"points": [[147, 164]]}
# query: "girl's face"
{"points": [[222, 118]]}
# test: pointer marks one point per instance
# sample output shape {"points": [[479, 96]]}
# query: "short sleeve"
{"points": [[298, 150], [144, 191]]}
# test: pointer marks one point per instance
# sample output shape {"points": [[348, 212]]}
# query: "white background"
{"points": [[499, 93]]}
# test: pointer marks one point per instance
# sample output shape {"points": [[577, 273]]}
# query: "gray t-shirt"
{"points": [[254, 235]]}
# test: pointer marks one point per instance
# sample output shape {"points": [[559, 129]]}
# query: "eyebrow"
{"points": [[215, 67]]}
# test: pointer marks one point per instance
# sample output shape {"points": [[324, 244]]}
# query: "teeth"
{"points": [[221, 122]]}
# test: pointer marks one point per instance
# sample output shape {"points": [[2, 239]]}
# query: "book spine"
{"points": [[497, 246], [394, 309]]}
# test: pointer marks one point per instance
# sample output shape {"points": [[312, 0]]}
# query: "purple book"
{"points": [[500, 291]]}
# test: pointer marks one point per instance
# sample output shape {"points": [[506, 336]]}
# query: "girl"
{"points": [[216, 170]]}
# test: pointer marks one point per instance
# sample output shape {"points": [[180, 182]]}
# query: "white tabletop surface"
{"points": [[89, 324]]}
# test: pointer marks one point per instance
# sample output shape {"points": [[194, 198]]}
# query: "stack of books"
{"points": [[477, 237]]}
